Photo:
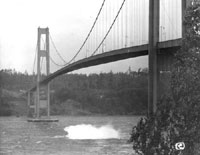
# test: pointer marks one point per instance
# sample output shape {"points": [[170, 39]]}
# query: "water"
{"points": [[19, 137]]}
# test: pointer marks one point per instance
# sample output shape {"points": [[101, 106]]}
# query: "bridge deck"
{"points": [[111, 56]]}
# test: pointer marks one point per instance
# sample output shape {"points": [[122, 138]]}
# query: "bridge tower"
{"points": [[43, 91], [158, 60], [153, 50], [39, 99]]}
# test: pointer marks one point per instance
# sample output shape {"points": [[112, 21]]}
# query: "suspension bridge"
{"points": [[122, 29]]}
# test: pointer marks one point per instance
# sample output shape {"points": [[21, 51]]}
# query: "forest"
{"points": [[81, 94]]}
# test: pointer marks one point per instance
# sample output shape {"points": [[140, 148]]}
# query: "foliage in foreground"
{"points": [[177, 118]]}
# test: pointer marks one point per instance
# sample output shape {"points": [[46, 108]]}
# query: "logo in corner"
{"points": [[180, 146]]}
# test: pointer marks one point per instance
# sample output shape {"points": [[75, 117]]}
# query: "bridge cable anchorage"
{"points": [[88, 33], [109, 28], [57, 49]]}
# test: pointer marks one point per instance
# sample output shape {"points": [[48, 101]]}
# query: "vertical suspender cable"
{"points": [[126, 24], [95, 35], [102, 17], [118, 36], [110, 27], [163, 19], [143, 20], [168, 13], [110, 16], [139, 21], [106, 24], [131, 22], [160, 25], [175, 21], [178, 21], [134, 21], [117, 28], [112, 33], [113, 30], [122, 29], [90, 39]]}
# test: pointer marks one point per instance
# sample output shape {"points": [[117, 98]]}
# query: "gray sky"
{"points": [[69, 22]]}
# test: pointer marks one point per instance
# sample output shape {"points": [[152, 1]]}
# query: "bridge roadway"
{"points": [[114, 55]]}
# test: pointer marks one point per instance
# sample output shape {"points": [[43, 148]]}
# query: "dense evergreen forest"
{"points": [[104, 93]]}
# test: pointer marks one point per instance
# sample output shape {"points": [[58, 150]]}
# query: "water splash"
{"points": [[88, 131]]}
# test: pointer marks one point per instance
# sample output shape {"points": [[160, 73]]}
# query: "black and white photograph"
{"points": [[99, 77]]}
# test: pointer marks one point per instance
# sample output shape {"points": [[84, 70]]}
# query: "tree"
{"points": [[177, 118]]}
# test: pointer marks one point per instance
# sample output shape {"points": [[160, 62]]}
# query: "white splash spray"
{"points": [[88, 131]]}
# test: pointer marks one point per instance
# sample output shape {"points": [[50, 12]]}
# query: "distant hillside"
{"points": [[74, 94], [104, 93], [12, 103]]}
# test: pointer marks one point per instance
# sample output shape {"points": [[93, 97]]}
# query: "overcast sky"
{"points": [[69, 22]]}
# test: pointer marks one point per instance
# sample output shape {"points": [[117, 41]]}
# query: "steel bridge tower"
{"points": [[39, 99], [155, 56], [43, 92]]}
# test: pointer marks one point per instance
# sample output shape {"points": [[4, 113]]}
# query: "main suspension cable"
{"points": [[57, 49], [88, 33], [55, 62], [109, 28]]}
